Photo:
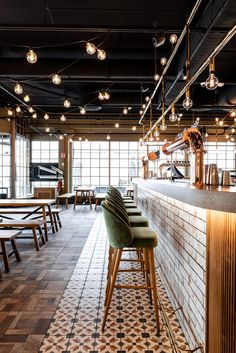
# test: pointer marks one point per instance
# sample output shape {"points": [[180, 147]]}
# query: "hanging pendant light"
{"points": [[187, 103], [173, 116], [31, 57], [212, 81], [18, 88]]}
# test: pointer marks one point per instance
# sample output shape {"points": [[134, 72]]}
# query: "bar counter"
{"points": [[197, 256]]}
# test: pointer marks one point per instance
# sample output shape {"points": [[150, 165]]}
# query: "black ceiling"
{"points": [[124, 29]]}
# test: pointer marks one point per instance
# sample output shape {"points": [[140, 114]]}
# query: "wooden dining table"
{"points": [[84, 190], [36, 204]]}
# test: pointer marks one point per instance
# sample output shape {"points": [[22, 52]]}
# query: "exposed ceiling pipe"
{"points": [[219, 47], [191, 16]]}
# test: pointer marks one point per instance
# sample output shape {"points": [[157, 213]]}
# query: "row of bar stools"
{"points": [[122, 237], [9, 235]]}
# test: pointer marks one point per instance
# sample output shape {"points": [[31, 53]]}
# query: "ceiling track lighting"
{"points": [[173, 116], [31, 57], [212, 81], [56, 79], [26, 98], [18, 88], [66, 103]]}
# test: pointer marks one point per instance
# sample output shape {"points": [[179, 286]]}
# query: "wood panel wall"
{"points": [[221, 282]]}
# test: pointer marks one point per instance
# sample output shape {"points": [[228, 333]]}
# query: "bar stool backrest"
{"points": [[116, 198], [119, 234], [117, 209]]}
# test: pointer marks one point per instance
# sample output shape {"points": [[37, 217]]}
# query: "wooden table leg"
{"points": [[36, 239], [90, 202], [51, 218], [96, 204], [17, 254], [57, 202], [75, 200], [67, 205], [45, 224], [5, 256]]}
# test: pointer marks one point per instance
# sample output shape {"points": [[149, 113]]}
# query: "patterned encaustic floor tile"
{"points": [[130, 328]]}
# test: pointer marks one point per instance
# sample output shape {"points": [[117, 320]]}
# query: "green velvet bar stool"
{"points": [[125, 199], [122, 237], [126, 205], [130, 211]]}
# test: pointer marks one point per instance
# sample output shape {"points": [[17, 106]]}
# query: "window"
{"points": [[22, 166], [5, 163], [221, 153], [44, 152]]}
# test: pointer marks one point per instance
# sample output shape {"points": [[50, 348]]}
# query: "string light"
{"points": [[227, 136], [61, 137], [47, 129], [206, 134], [221, 122], [9, 111], [233, 114], [117, 125], [31, 57], [103, 95], [107, 95], [143, 106], [156, 77], [90, 48], [18, 109], [86, 140], [134, 128], [141, 112], [147, 98], [82, 110], [18, 88], [66, 103], [163, 61], [125, 111], [46, 116], [108, 137], [233, 130], [173, 38], [34, 116], [56, 79], [31, 109], [26, 98], [63, 118], [101, 54], [80, 138]]}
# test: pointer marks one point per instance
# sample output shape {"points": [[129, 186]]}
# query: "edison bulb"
{"points": [[125, 111], [163, 126], [34, 116], [134, 128], [106, 95], [173, 117], [31, 56], [101, 96], [156, 77], [163, 61], [212, 82], [221, 122], [56, 79], [46, 116], [9, 112], [47, 129], [61, 137], [140, 140], [101, 54], [227, 136], [82, 110], [173, 38], [117, 125], [31, 109], [108, 137], [26, 98], [151, 138], [143, 106], [18, 88], [66, 103], [80, 138], [18, 109], [63, 118], [156, 133], [233, 130], [233, 113], [141, 112], [206, 134], [90, 48], [147, 98], [187, 103], [86, 140]]}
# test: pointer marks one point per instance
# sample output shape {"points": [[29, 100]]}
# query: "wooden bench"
{"points": [[65, 197], [56, 217], [9, 235], [34, 224], [98, 198]]}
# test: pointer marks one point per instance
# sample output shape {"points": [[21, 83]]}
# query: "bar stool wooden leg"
{"points": [[117, 257], [153, 283], [75, 200], [5, 256], [59, 220], [147, 273], [14, 248]]}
